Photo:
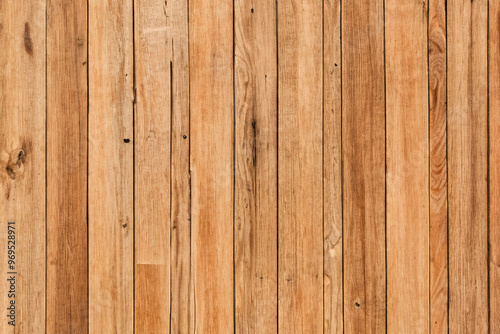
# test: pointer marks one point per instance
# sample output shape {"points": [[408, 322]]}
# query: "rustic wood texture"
{"points": [[250, 166], [255, 167], [152, 134], [407, 161], [494, 164], [22, 160], [438, 182], [111, 167], [363, 147], [212, 163], [332, 170], [67, 275], [300, 204], [467, 162]]}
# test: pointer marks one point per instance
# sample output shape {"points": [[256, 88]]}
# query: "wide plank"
{"points": [[467, 165], [255, 167], [67, 272], [300, 166], [363, 147], [111, 154], [22, 164], [212, 162]]}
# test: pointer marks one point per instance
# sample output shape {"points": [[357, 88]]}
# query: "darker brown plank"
{"points": [[363, 143], [67, 275]]}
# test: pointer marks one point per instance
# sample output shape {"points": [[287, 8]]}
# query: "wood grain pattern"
{"points": [[67, 274], [332, 170], [300, 204], [111, 158], [22, 160], [407, 161], [182, 314], [255, 167], [438, 168], [494, 164], [212, 157], [363, 166], [467, 162], [152, 167]]}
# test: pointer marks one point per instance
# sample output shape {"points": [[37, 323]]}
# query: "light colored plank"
{"points": [[363, 142], [111, 220], [467, 163], [152, 167], [494, 163], [256, 167], [332, 170], [438, 168], [67, 275], [182, 295], [212, 135], [22, 160], [300, 124], [407, 159]]}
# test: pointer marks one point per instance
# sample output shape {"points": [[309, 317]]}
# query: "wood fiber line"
{"points": [[300, 156], [67, 271], [152, 166], [438, 168], [181, 276], [467, 154], [256, 166], [363, 142], [22, 160], [111, 154], [332, 169], [212, 162], [494, 164], [407, 161]]}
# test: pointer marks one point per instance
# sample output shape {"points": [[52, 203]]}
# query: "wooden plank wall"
{"points": [[250, 166]]}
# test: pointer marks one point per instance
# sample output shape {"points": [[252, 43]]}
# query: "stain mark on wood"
{"points": [[28, 44]]}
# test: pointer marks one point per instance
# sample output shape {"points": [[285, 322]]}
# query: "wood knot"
{"points": [[15, 165]]}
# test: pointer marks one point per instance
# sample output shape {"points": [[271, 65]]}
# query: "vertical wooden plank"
{"points": [[182, 295], [212, 130], [111, 216], [332, 169], [494, 163], [22, 162], [300, 141], [438, 168], [467, 154], [152, 167], [363, 142], [67, 276], [256, 166], [407, 160]]}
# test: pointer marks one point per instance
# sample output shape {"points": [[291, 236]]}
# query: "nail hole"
{"points": [[126, 140], [357, 304], [184, 136]]}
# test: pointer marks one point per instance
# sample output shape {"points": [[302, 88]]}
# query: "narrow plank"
{"points": [[22, 161], [467, 154], [181, 276], [152, 167], [407, 160], [212, 131], [332, 170], [256, 167], [494, 163], [300, 140], [111, 216], [67, 275], [363, 146], [438, 168]]}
